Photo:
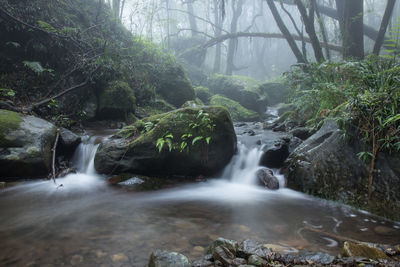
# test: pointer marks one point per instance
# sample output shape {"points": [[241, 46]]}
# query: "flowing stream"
{"points": [[82, 221]]}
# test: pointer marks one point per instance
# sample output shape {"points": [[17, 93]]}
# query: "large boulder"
{"points": [[241, 89], [326, 165], [189, 141], [237, 111], [25, 145], [175, 87], [116, 101], [276, 92]]}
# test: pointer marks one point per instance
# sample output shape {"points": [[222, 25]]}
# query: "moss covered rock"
{"points": [[276, 92], [116, 101], [25, 145], [237, 111], [158, 106], [175, 87], [244, 90], [203, 93], [189, 141], [351, 249]]}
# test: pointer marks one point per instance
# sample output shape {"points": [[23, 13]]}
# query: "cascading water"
{"points": [[244, 165], [83, 160]]}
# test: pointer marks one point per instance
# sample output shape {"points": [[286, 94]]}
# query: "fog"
{"points": [[181, 25]]}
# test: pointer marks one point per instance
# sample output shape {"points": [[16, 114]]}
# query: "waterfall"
{"points": [[83, 158], [244, 165], [86, 177]]}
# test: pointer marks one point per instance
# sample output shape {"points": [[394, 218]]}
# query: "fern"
{"points": [[34, 66]]}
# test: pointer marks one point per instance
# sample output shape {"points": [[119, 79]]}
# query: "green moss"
{"points": [[116, 101], [157, 107], [176, 122], [203, 93], [9, 121], [351, 249], [237, 111]]}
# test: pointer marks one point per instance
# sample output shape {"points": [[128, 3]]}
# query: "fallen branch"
{"points": [[224, 37], [53, 167]]}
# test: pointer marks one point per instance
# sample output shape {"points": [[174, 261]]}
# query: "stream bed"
{"points": [[87, 222]]}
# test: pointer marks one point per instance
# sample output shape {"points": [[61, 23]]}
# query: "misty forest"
{"points": [[179, 133]]}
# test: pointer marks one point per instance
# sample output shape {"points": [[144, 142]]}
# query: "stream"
{"points": [[86, 222]]}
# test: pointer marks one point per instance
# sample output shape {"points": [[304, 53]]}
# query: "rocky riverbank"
{"points": [[224, 252]]}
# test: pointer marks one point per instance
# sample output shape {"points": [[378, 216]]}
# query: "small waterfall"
{"points": [[83, 158], [244, 165], [86, 177]]}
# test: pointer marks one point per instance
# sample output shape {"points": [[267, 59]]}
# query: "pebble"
{"points": [[99, 253], [198, 249]]}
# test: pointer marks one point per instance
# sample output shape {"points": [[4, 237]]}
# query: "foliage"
{"points": [[198, 130], [36, 67], [364, 96], [393, 42]]}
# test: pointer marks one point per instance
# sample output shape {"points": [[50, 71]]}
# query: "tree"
{"points": [[296, 51], [310, 29], [384, 24], [237, 8], [353, 33]]}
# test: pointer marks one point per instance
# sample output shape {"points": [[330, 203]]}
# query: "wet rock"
{"points": [[317, 258], [119, 258], [133, 149], [351, 249], [251, 133], [301, 132], [162, 258], [274, 156], [231, 245], [267, 178], [327, 166], [68, 140], [256, 261], [223, 255], [25, 145], [203, 263], [250, 247], [239, 261]]}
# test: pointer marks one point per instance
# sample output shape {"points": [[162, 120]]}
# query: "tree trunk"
{"points": [[323, 31], [340, 15], [310, 29], [192, 19], [116, 4], [353, 38], [218, 31], [384, 25], [237, 11], [296, 51]]}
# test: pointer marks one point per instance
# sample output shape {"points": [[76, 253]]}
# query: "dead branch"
{"points": [[53, 167], [225, 37]]}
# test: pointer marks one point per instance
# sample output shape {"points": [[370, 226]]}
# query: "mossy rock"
{"points": [[244, 90], [134, 149], [116, 101], [26, 143], [8, 121], [237, 111], [175, 87], [203, 93], [158, 106], [197, 103], [277, 92], [351, 249]]}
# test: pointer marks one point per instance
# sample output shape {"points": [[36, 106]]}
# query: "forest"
{"points": [[168, 133]]}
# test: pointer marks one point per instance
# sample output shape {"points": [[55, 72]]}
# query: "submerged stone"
{"points": [[162, 258], [351, 249]]}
